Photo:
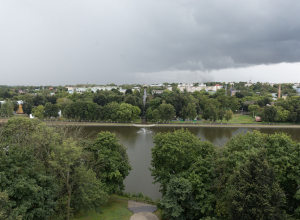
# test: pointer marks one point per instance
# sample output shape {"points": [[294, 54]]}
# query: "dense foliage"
{"points": [[258, 99], [51, 172], [254, 176]]}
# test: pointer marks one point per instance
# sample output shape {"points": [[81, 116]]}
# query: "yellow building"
{"points": [[20, 110]]}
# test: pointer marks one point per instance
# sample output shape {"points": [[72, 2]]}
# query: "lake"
{"points": [[139, 142]]}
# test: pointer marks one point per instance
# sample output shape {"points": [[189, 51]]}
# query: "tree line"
{"points": [[254, 176], [101, 106], [52, 172], [188, 105]]}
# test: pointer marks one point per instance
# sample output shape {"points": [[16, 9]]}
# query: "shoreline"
{"points": [[224, 125], [95, 124]]}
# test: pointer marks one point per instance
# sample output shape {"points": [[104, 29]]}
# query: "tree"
{"points": [[128, 91], [149, 114], [166, 111], [282, 114], [51, 110], [282, 154], [234, 103], [221, 114], [125, 112], [23, 176], [62, 103], [269, 114], [109, 161], [62, 159], [101, 99], [187, 180], [192, 112], [6, 212], [154, 103], [7, 108], [51, 176], [155, 115], [110, 111], [38, 112], [27, 108], [228, 115], [38, 100], [167, 155], [7, 95], [130, 99], [239, 95], [253, 109], [256, 192], [179, 201]]}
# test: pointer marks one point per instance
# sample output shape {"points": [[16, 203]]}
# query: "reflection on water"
{"points": [[144, 131], [139, 142]]}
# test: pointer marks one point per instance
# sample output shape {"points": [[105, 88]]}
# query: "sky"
{"points": [[68, 42]]}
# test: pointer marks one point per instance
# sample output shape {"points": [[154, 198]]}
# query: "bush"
{"points": [[133, 194], [140, 195]]}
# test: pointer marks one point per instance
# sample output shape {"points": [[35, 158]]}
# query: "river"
{"points": [[139, 142]]}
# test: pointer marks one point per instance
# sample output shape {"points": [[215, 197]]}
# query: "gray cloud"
{"points": [[69, 42]]}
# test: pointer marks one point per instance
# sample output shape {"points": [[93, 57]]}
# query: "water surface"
{"points": [[139, 142]]}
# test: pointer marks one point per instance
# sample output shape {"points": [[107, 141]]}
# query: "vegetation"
{"points": [[256, 100], [53, 172], [255, 176], [115, 208]]}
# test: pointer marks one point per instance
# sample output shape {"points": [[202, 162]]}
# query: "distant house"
{"points": [[257, 119], [186, 84], [50, 88], [13, 90], [122, 91], [156, 85], [71, 88], [233, 91], [157, 91]]}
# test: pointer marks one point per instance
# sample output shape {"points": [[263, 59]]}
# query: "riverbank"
{"points": [[224, 125], [174, 125]]}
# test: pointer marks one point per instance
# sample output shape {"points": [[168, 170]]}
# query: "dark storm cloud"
{"points": [[67, 42]]}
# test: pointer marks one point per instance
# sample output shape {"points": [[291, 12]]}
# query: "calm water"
{"points": [[139, 142]]}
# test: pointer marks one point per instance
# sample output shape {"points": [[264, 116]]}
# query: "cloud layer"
{"points": [[69, 42]]}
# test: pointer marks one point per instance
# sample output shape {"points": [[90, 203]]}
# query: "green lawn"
{"points": [[115, 209], [238, 119], [21, 116]]}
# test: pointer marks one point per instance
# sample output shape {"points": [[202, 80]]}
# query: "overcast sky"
{"points": [[59, 42]]}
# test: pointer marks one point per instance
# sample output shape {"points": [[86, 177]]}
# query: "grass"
{"points": [[115, 209], [238, 119], [137, 121], [20, 116]]}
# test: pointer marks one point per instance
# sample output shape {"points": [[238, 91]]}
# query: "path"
{"points": [[142, 211]]}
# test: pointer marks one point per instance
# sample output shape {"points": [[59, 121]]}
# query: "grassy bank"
{"points": [[116, 208]]}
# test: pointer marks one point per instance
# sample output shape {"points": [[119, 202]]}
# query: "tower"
{"points": [[279, 91]]}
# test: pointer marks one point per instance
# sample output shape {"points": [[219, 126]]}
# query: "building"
{"points": [[157, 91], [257, 119], [233, 91]]}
